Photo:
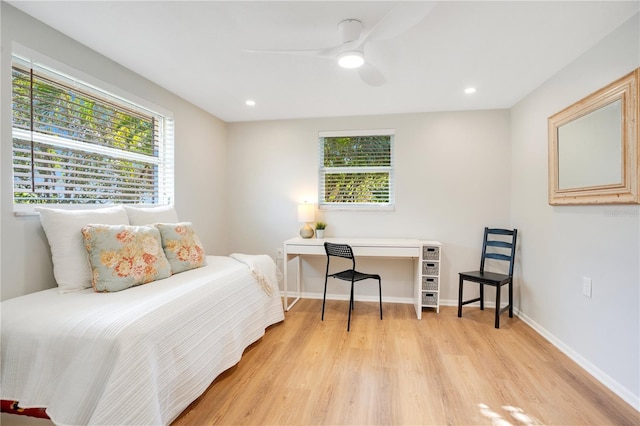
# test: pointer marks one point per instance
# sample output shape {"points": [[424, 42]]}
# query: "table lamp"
{"points": [[306, 216]]}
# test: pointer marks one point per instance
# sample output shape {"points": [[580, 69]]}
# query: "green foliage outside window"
{"points": [[79, 153], [357, 169]]}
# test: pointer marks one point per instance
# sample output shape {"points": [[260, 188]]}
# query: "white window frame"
{"points": [[322, 204], [83, 82]]}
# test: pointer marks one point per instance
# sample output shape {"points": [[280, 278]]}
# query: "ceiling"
{"points": [[197, 50]]}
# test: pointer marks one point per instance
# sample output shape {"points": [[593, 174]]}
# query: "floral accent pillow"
{"points": [[181, 246], [123, 256]]}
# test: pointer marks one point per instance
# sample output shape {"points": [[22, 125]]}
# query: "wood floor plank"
{"points": [[442, 370]]}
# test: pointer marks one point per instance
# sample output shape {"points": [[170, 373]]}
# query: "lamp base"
{"points": [[306, 231]]}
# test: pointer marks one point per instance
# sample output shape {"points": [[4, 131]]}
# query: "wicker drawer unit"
{"points": [[430, 279]]}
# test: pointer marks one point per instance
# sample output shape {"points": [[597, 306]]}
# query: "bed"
{"points": [[138, 356]]}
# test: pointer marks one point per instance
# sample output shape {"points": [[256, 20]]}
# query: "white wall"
{"points": [[452, 179], [200, 151], [562, 244]]}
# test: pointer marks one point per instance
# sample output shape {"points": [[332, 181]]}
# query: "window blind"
{"points": [[76, 144], [356, 169]]}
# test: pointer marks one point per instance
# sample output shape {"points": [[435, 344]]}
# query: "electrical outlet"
{"points": [[279, 253], [586, 286]]}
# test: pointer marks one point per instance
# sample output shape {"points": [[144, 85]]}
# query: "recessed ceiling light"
{"points": [[470, 90], [351, 59], [250, 102]]}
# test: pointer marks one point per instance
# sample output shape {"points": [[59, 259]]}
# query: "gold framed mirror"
{"points": [[593, 147]]}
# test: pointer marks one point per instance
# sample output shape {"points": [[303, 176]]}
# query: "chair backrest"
{"points": [[500, 248], [340, 250]]}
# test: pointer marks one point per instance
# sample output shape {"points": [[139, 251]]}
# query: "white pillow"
{"points": [[140, 216], [63, 229]]}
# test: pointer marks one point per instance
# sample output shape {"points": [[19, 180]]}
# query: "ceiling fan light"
{"points": [[351, 59]]}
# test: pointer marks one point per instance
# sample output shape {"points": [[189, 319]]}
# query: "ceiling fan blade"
{"points": [[399, 20], [370, 75]]}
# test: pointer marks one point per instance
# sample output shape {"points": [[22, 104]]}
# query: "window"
{"points": [[356, 170], [76, 144]]}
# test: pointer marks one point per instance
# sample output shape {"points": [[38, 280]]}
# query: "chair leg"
{"points": [[511, 299], [460, 297], [481, 297], [324, 297], [498, 305], [352, 305], [350, 308], [380, 292]]}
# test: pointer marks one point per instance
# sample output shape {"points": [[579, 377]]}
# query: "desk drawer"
{"points": [[364, 251], [386, 251], [305, 249]]}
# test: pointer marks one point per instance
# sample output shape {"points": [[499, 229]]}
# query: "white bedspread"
{"points": [[262, 268], [139, 356]]}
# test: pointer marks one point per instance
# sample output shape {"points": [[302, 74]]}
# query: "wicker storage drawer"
{"points": [[430, 268], [429, 299], [430, 253], [430, 283]]}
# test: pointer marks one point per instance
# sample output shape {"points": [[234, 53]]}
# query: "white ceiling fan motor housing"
{"points": [[350, 30]]}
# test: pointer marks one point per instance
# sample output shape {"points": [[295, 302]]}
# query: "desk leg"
{"points": [[285, 281], [417, 288], [298, 273]]}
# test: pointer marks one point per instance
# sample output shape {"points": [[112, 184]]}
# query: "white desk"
{"points": [[362, 247]]}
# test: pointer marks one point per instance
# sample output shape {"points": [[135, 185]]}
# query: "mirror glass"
{"points": [[590, 149]]}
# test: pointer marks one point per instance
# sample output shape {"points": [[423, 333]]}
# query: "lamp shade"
{"points": [[306, 213]]}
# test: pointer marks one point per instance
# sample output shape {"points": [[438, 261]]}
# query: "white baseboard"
{"points": [[360, 298], [602, 377], [599, 375]]}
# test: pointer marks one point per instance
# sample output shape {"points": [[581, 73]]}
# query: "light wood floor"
{"points": [[400, 371]]}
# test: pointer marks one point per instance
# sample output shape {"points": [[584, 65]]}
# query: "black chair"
{"points": [[501, 248], [345, 251]]}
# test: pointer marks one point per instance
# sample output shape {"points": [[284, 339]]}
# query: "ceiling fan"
{"points": [[356, 39]]}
